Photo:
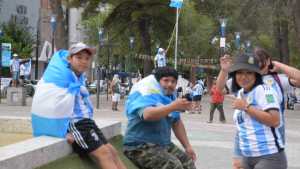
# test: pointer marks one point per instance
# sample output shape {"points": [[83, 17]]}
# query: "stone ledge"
{"points": [[42, 150], [12, 124], [297, 106], [16, 96]]}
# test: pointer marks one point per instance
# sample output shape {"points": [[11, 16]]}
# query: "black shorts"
{"points": [[197, 98], [88, 137]]}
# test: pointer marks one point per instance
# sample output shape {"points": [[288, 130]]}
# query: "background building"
{"points": [[25, 12]]}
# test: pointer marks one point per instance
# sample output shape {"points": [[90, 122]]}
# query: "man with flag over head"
{"points": [[61, 106], [152, 110]]}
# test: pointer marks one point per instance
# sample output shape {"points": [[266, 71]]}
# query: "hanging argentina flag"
{"points": [[145, 93], [27, 67], [54, 100], [176, 3]]}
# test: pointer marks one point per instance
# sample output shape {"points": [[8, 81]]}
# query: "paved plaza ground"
{"points": [[213, 142]]}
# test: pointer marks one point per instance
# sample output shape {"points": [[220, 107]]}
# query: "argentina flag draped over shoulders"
{"points": [[176, 3], [145, 93], [54, 98]]}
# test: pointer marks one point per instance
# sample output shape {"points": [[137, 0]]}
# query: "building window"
{"points": [[19, 19], [21, 10], [1, 3]]}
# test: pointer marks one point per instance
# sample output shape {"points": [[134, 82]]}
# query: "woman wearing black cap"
{"points": [[257, 117], [280, 82]]}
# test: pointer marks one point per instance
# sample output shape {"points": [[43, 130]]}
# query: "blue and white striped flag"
{"points": [[54, 100], [176, 3], [28, 67], [145, 93]]}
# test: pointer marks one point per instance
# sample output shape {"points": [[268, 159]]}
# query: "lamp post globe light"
{"points": [[223, 24]]}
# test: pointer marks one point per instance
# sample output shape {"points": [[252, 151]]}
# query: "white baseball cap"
{"points": [[161, 50], [77, 47]]}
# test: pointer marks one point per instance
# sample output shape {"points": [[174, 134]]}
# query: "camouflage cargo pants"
{"points": [[150, 156]]}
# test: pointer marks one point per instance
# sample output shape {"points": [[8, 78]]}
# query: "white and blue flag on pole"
{"points": [[176, 3]]}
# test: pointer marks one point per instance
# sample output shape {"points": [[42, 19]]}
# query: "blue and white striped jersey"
{"points": [[197, 90], [161, 60], [282, 96], [284, 80], [255, 138], [83, 107]]}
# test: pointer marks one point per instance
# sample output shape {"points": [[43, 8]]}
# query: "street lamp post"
{"points": [[130, 68], [223, 23], [53, 28], [248, 46], [101, 43], [37, 49], [1, 34], [237, 40], [131, 46]]}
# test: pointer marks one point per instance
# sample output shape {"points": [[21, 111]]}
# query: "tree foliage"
{"points": [[20, 37], [271, 24]]}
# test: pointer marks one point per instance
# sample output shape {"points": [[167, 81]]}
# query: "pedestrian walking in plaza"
{"points": [[216, 102], [61, 107], [281, 83], [116, 92], [152, 111], [197, 92]]}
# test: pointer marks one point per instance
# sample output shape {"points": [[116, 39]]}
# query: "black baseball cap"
{"points": [[246, 62]]}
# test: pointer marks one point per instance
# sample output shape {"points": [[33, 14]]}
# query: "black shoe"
{"points": [[223, 121]]}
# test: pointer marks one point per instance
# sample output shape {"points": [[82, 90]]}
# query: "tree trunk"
{"points": [[296, 18], [146, 45], [281, 30], [61, 34]]}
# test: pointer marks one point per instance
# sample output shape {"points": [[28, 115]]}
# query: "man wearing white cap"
{"points": [[160, 58], [15, 69]]}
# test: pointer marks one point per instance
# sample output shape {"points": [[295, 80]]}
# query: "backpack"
{"points": [[277, 79]]}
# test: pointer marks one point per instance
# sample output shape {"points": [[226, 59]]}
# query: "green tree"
{"points": [[20, 37], [196, 31], [149, 21]]}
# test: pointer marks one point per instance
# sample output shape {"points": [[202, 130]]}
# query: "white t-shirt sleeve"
{"points": [[229, 84], [266, 98], [284, 80]]}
